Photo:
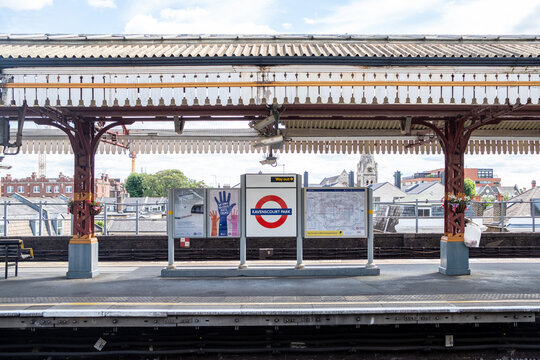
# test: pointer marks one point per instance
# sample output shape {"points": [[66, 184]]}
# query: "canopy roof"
{"points": [[62, 50], [328, 102]]}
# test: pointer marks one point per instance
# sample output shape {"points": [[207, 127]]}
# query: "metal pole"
{"points": [[533, 215], [416, 212], [40, 217], [5, 218], [369, 226], [136, 217], [299, 230], [104, 219], [502, 215], [170, 229], [242, 214]]}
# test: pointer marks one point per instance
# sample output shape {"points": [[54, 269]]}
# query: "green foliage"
{"points": [[470, 188], [134, 184], [100, 223], [488, 200], [158, 184]]}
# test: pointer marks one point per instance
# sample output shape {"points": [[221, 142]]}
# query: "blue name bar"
{"points": [[271, 211]]}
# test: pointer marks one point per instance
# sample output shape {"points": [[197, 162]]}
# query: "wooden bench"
{"points": [[11, 251]]}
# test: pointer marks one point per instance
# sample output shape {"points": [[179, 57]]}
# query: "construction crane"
{"points": [[133, 156], [42, 165]]}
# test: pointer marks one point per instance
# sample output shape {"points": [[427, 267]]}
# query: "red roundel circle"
{"points": [[267, 224]]}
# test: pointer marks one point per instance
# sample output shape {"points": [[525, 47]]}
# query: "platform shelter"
{"points": [[322, 94]]}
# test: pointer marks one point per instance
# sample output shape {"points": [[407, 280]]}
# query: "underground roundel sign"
{"points": [[270, 212]]}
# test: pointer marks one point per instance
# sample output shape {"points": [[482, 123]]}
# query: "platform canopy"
{"points": [[335, 94]]}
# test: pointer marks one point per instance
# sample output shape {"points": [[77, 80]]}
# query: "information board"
{"points": [[223, 212], [189, 213], [335, 212]]}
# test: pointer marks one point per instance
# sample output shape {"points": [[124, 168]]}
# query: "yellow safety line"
{"points": [[235, 84], [273, 303]]}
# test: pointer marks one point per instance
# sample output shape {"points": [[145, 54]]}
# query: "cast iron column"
{"points": [[83, 246], [84, 138], [454, 253]]}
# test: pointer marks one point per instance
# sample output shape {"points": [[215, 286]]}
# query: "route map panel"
{"points": [[337, 212]]}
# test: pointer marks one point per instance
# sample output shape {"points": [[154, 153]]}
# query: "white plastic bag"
{"points": [[473, 231]]}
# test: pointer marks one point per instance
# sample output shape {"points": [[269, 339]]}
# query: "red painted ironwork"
{"points": [[84, 138], [454, 137]]}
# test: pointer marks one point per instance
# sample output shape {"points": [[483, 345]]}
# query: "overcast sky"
{"points": [[460, 17]]}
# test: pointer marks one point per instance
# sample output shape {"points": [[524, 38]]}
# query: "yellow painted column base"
{"points": [[453, 237], [85, 239]]}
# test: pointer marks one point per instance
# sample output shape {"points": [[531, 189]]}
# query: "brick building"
{"points": [[34, 186], [481, 177]]}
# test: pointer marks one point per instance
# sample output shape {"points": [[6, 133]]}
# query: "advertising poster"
{"points": [[223, 213], [338, 212], [189, 213]]}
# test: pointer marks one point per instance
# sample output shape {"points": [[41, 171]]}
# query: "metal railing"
{"points": [[43, 218]]}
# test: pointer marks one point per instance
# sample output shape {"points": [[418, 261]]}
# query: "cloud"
{"points": [[204, 17], [430, 17], [102, 4], [25, 4]]}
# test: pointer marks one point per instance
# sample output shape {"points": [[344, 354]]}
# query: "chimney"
{"points": [[533, 184], [351, 179]]}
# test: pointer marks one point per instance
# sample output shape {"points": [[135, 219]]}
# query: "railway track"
{"points": [[495, 340]]}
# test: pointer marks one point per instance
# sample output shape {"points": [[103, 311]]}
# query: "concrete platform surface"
{"points": [[406, 291]]}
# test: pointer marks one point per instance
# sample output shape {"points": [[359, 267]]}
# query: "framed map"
{"points": [[335, 212]]}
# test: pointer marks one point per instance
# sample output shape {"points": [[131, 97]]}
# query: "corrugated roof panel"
{"points": [[40, 46]]}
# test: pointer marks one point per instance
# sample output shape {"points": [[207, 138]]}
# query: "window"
{"points": [[535, 207], [20, 189], [48, 189], [485, 173], [9, 189], [56, 189], [36, 189], [423, 212], [69, 189]]}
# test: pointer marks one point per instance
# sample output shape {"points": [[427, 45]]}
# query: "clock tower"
{"points": [[366, 171]]}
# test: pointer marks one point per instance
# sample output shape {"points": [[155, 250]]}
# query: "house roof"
{"points": [[17, 210], [378, 185], [519, 205], [420, 188], [128, 225]]}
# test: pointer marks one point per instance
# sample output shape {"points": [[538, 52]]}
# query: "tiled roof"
{"points": [[186, 46]]}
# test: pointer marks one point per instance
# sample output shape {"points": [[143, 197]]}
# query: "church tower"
{"points": [[366, 173]]}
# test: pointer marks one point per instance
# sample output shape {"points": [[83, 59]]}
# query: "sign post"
{"points": [[170, 229], [271, 208]]}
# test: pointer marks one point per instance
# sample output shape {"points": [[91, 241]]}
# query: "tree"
{"points": [[159, 183], [134, 184], [470, 188]]}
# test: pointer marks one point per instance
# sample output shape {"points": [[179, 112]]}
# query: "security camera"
{"points": [[260, 125], [273, 141]]}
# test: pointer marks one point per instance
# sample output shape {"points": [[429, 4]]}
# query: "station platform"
{"points": [[133, 294]]}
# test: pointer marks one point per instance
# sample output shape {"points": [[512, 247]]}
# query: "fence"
{"points": [[43, 218]]}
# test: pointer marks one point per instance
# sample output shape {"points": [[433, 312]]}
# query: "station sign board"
{"points": [[271, 205]]}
